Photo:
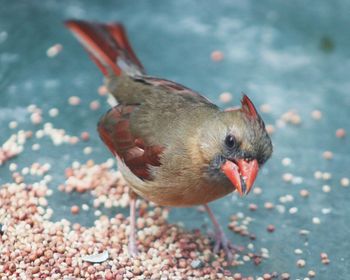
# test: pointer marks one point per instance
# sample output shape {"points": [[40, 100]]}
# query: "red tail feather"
{"points": [[107, 45]]}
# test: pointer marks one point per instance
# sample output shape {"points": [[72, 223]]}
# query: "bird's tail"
{"points": [[108, 46]]}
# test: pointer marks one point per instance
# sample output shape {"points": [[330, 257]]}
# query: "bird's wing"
{"points": [[114, 130], [171, 87]]}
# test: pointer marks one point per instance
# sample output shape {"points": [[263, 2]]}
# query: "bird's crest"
{"points": [[248, 108]]}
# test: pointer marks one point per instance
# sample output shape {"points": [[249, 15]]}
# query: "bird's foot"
{"points": [[221, 242], [132, 248], [133, 252]]}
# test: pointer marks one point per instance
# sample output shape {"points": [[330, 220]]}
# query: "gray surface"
{"points": [[272, 53]]}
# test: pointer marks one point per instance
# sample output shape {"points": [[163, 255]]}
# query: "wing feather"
{"points": [[114, 130]]}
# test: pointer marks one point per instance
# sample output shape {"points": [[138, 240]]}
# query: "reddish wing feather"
{"points": [[114, 130]]}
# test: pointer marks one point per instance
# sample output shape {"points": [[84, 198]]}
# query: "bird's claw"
{"points": [[133, 252], [221, 242]]}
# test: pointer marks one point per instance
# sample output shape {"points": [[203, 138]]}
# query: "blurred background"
{"points": [[291, 58]]}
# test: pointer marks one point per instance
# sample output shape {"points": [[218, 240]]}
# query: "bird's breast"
{"points": [[179, 193]]}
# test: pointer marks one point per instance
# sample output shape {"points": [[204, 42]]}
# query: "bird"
{"points": [[173, 146]]}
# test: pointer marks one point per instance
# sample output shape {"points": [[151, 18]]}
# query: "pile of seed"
{"points": [[106, 185], [32, 246]]}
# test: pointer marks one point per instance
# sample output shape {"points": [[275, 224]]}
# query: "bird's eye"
{"points": [[230, 141]]}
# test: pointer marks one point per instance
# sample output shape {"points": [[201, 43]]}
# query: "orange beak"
{"points": [[241, 173]]}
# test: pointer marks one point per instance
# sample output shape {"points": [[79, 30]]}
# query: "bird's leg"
{"points": [[221, 240], [132, 235]]}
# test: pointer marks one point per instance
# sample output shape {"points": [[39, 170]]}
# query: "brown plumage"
{"points": [[174, 147]]}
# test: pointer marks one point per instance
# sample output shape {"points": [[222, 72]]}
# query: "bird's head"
{"points": [[235, 145]]}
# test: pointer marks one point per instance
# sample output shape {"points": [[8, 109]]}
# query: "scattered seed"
{"points": [[53, 112], [36, 118], [326, 211], [298, 251], [327, 155], [316, 220], [318, 174], [87, 150], [270, 228], [36, 147], [13, 125], [85, 207], [270, 128], [225, 97], [257, 190], [253, 207], [75, 209], [297, 180], [85, 136], [287, 177], [74, 100], [304, 193], [217, 56], [295, 119], [95, 105], [265, 108], [13, 167], [324, 255], [340, 133], [54, 50], [269, 205], [286, 161], [287, 198], [281, 209], [326, 176], [316, 114], [326, 188], [311, 273], [301, 263], [304, 232], [344, 182], [182, 263], [285, 276], [25, 171], [291, 117], [97, 213], [102, 90]]}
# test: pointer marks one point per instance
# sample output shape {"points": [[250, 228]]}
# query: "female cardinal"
{"points": [[173, 146]]}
